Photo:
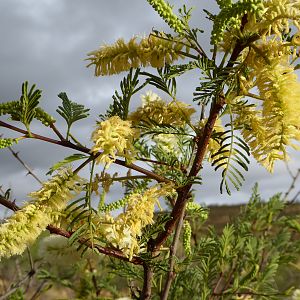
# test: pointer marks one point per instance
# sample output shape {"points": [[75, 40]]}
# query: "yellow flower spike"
{"points": [[25, 225], [187, 234], [270, 129], [157, 110], [150, 51], [123, 231], [58, 190], [113, 137]]}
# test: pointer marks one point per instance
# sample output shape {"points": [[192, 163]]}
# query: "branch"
{"points": [[67, 234], [30, 172], [292, 185], [52, 126], [173, 249], [68, 144], [148, 275], [202, 140], [17, 286]]}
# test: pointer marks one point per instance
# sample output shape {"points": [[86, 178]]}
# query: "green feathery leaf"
{"points": [[71, 111], [120, 106], [231, 157], [164, 82], [65, 161]]}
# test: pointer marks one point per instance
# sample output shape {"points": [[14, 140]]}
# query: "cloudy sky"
{"points": [[46, 42]]}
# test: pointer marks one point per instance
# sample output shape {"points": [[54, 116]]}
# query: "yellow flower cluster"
{"points": [[251, 122], [280, 89], [150, 51], [24, 226], [123, 231], [21, 229], [157, 110], [270, 126], [167, 142], [56, 192], [113, 137], [275, 18]]}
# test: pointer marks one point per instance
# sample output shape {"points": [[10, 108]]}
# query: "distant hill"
{"points": [[220, 215]]}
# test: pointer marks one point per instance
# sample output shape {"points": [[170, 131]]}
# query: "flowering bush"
{"points": [[248, 83]]}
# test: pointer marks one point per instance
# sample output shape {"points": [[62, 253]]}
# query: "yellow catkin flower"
{"points": [[250, 120], [157, 110], [25, 225], [167, 142], [123, 231], [275, 18], [113, 137], [278, 17], [271, 127], [273, 124], [150, 51], [60, 189], [21, 229], [279, 87]]}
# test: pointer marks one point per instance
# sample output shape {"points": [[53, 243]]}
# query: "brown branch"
{"points": [[202, 140], [67, 234], [53, 127], [148, 276], [29, 170], [8, 204], [173, 249], [68, 144]]}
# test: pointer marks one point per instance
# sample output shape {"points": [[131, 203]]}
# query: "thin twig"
{"points": [[94, 278], [52, 126], [29, 170], [38, 291], [292, 185], [32, 269], [16, 286], [148, 276], [83, 149], [173, 249]]}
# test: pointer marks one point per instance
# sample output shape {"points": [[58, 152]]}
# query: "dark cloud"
{"points": [[46, 42]]}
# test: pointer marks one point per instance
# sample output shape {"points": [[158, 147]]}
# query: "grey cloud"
{"points": [[46, 42]]}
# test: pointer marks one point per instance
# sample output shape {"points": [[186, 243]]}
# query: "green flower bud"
{"points": [[165, 11], [187, 234], [7, 142]]}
